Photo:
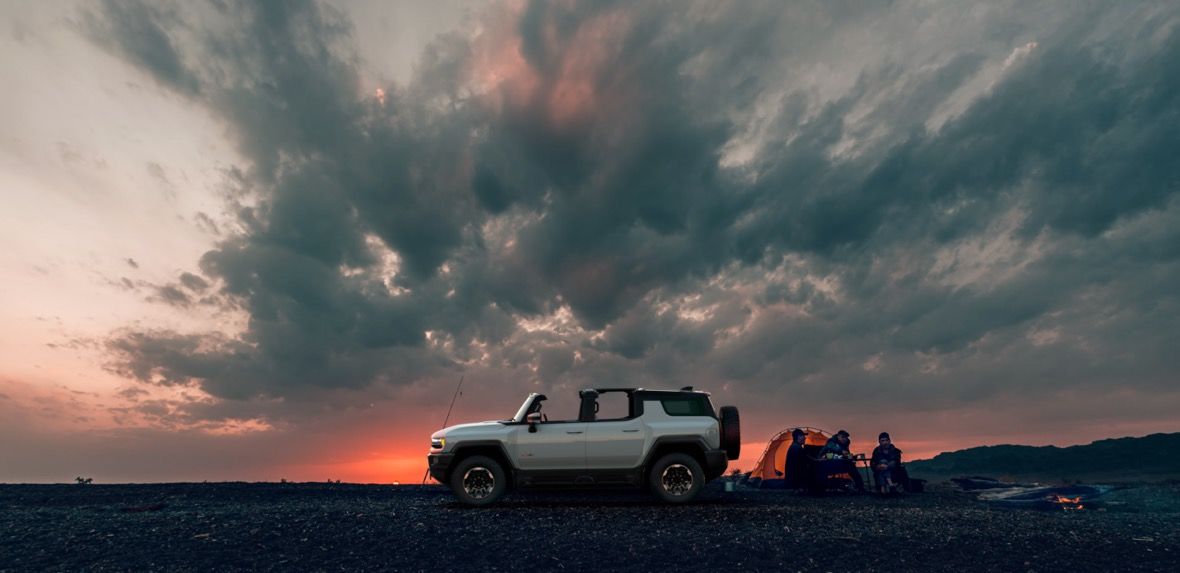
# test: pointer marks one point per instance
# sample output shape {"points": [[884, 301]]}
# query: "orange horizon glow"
{"points": [[408, 467], [389, 444]]}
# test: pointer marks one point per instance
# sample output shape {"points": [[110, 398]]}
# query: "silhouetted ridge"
{"points": [[1156, 456]]}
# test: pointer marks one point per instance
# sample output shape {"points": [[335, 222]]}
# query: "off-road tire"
{"points": [[666, 480], [470, 481], [731, 432]]}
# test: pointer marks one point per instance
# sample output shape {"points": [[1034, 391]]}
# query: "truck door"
{"points": [[616, 437], [554, 446], [615, 444]]}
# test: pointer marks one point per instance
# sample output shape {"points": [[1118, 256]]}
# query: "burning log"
{"points": [[1068, 498], [1067, 503]]}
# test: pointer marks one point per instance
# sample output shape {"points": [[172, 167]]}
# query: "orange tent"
{"points": [[775, 456]]}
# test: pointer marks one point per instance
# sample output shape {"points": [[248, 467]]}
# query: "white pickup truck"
{"points": [[670, 441]]}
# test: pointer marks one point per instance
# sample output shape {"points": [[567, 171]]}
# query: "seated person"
{"points": [[886, 464], [836, 459], [798, 473]]}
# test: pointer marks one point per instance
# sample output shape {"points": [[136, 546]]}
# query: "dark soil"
{"points": [[330, 527]]}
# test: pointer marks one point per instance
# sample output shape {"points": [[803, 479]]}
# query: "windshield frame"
{"points": [[524, 408]]}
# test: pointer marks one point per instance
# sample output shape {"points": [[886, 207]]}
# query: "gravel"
{"points": [[344, 527]]}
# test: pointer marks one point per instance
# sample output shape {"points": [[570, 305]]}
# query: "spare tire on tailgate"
{"points": [[731, 432]]}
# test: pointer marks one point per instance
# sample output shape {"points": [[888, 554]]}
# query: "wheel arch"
{"points": [[692, 445], [490, 448]]}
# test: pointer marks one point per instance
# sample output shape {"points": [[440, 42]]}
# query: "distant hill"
{"points": [[1149, 458]]}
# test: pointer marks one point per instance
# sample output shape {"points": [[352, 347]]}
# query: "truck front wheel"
{"points": [[479, 480]]}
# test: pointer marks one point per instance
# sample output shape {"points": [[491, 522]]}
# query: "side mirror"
{"points": [[533, 419]]}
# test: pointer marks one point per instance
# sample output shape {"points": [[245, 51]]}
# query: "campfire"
{"points": [[1067, 503], [1054, 498]]}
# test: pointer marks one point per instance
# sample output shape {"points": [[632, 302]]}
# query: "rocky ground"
{"points": [[330, 527]]}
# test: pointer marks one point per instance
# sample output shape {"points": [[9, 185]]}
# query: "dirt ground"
{"points": [[343, 527]]}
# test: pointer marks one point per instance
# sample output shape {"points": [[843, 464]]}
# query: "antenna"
{"points": [[453, 398], [447, 419]]}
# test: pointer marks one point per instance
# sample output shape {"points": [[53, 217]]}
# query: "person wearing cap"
{"points": [[886, 464], [798, 471], [837, 446], [837, 459]]}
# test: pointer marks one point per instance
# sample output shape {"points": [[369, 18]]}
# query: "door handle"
{"points": [[635, 430], [572, 432]]}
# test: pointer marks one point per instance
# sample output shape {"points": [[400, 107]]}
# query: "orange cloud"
{"points": [[576, 93], [499, 72], [568, 88]]}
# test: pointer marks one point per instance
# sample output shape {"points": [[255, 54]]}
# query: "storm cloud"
{"points": [[903, 206]]}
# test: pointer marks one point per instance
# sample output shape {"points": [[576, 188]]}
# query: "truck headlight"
{"points": [[438, 443]]}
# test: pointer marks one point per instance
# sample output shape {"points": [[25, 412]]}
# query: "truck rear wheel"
{"points": [[479, 480], [676, 478]]}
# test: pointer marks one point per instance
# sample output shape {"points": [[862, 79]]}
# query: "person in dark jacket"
{"points": [[837, 459], [798, 471], [886, 464], [837, 445]]}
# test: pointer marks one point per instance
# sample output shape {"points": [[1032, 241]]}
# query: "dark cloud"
{"points": [[668, 194], [193, 282], [143, 34], [171, 295], [207, 224]]}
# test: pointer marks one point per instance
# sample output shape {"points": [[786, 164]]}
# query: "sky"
{"points": [[266, 240]]}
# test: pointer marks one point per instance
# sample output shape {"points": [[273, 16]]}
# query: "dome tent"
{"points": [[774, 458]]}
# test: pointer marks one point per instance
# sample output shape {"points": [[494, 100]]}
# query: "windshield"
{"points": [[523, 411]]}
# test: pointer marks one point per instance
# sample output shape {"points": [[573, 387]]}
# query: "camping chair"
{"points": [[902, 480], [827, 478]]}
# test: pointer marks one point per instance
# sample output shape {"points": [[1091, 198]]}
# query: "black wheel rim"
{"points": [[478, 482], [676, 479]]}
